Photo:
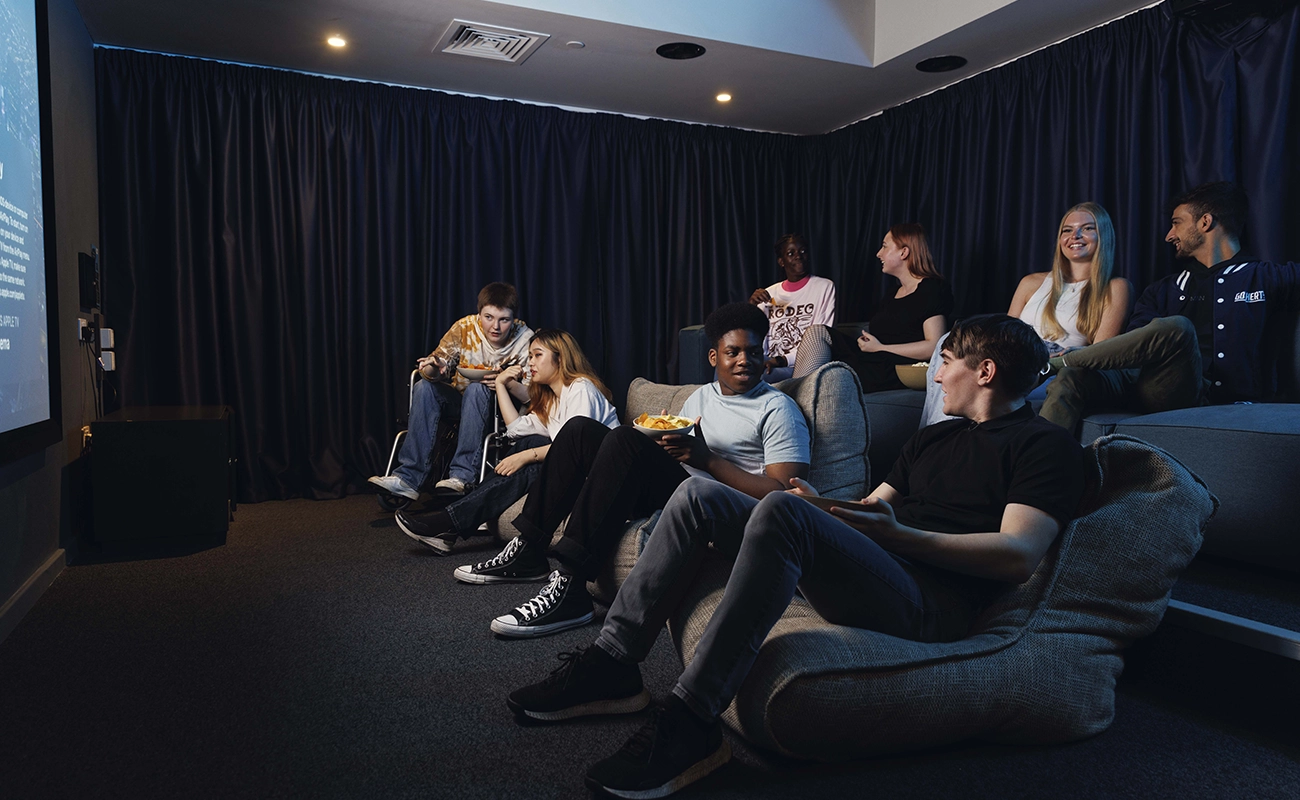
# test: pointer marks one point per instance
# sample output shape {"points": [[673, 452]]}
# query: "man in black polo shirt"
{"points": [[971, 506], [1206, 335]]}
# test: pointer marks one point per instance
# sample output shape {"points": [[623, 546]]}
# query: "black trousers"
{"points": [[875, 370], [598, 478]]}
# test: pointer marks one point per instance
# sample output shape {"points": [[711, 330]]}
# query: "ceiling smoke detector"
{"points": [[493, 42]]}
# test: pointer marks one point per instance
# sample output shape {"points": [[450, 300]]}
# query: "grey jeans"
{"points": [[778, 544]]}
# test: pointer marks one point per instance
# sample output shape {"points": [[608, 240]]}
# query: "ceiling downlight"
{"points": [[680, 51], [465, 38], [941, 64]]}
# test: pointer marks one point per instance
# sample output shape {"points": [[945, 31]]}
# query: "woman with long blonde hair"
{"points": [[564, 385], [1079, 302]]}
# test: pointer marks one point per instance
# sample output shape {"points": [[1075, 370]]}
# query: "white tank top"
{"points": [[1067, 312]]}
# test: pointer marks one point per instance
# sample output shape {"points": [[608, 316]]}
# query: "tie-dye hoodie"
{"points": [[465, 345]]}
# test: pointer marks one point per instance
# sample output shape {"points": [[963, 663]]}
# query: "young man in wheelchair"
{"points": [[492, 339]]}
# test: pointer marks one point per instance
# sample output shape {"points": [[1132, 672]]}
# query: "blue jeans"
{"points": [[431, 403], [496, 493], [778, 544]]}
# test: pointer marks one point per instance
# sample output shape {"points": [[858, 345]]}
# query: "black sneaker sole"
{"points": [[516, 631], [618, 705], [438, 545], [468, 575], [691, 774]]}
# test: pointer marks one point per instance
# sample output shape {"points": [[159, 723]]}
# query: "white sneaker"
{"points": [[395, 485], [454, 484]]}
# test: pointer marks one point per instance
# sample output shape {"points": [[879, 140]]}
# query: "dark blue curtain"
{"points": [[288, 244]]}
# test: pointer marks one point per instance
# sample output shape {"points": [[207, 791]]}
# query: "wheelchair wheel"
{"points": [[391, 502]]}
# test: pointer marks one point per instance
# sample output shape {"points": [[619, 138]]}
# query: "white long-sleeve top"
{"points": [[579, 399]]}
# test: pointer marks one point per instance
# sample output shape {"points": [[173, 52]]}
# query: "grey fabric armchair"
{"points": [[1038, 667]]}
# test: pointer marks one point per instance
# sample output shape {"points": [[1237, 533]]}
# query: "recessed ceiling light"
{"points": [[941, 64], [575, 45], [724, 98], [680, 51], [336, 41]]}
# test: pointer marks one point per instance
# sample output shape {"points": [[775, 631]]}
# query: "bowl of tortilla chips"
{"points": [[656, 425]]}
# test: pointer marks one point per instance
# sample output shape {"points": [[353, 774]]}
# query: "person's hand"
{"points": [[878, 522], [774, 362], [803, 488], [869, 344], [431, 367], [514, 372], [515, 462], [688, 449], [759, 296]]}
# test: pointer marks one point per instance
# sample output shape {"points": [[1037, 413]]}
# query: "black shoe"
{"points": [[519, 562], [589, 682], [431, 530], [674, 749], [560, 605]]}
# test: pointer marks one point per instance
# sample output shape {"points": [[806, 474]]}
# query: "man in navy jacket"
{"points": [[1206, 335]]}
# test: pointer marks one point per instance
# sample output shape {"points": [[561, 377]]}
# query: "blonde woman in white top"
{"points": [[563, 386], [1077, 303]]}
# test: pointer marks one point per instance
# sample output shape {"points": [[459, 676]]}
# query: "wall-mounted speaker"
{"points": [[88, 279]]}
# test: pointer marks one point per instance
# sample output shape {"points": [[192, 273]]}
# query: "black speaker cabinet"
{"points": [[162, 473]]}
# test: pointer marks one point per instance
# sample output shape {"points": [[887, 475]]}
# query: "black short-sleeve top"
{"points": [[901, 319], [958, 476]]}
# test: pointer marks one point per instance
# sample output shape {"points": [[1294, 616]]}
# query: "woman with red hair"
{"points": [[905, 327]]}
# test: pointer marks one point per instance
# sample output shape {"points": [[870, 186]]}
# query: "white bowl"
{"points": [[656, 434], [472, 375]]}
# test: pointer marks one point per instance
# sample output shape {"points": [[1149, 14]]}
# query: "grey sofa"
{"points": [[831, 400]]}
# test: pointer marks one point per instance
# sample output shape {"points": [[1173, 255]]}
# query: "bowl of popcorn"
{"points": [[913, 375]]}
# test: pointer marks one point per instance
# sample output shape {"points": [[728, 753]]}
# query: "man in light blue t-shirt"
{"points": [[748, 436]]}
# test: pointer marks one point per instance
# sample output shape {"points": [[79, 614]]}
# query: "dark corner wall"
{"points": [[39, 494]]}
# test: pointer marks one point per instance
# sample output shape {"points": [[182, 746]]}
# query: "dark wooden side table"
{"points": [[163, 473]]}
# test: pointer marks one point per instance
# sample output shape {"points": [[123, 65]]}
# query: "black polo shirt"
{"points": [[958, 476]]}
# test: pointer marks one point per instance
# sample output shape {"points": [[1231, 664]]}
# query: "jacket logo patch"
{"points": [[1249, 297]]}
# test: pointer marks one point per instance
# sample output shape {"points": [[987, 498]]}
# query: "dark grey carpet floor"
{"points": [[320, 653]]}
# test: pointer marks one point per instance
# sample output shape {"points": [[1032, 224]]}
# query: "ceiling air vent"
{"points": [[489, 41]]}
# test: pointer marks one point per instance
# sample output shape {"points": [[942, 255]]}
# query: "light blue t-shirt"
{"points": [[763, 426]]}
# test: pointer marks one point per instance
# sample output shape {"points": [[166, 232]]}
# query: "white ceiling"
{"points": [[802, 67]]}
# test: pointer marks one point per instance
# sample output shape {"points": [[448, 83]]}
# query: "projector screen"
{"points": [[29, 376]]}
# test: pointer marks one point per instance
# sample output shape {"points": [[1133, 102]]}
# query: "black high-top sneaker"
{"points": [[519, 562], [560, 605]]}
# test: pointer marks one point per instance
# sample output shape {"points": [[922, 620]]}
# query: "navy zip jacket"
{"points": [[1254, 302]]}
